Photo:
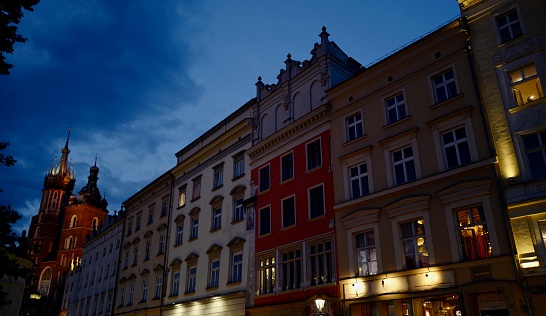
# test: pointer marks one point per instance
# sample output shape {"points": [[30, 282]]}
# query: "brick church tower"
{"points": [[60, 227]]}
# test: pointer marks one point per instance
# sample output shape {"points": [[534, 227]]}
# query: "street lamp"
{"points": [[320, 306]]}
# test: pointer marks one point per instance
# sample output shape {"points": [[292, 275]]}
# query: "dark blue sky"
{"points": [[139, 80]]}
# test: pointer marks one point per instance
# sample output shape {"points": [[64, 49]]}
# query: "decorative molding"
{"points": [[523, 47], [464, 190], [360, 217], [408, 205]]}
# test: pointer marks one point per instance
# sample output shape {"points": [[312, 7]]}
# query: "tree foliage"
{"points": [[11, 246], [11, 12]]}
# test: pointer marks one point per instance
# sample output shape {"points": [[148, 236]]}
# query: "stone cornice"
{"points": [[290, 131]]}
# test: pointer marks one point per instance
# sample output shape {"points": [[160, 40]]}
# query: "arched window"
{"points": [[69, 243], [73, 221], [45, 281], [40, 217], [95, 223], [37, 232]]}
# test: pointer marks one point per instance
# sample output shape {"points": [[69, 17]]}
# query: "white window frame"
{"points": [[309, 201], [354, 125], [396, 106], [398, 142], [450, 122], [214, 272], [144, 294], [260, 233], [505, 12], [282, 211], [236, 267], [307, 153], [291, 153], [357, 158], [260, 188], [432, 86], [182, 196]]}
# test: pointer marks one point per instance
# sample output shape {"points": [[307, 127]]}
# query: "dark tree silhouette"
{"points": [[11, 12]]}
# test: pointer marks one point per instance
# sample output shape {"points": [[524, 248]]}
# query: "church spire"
{"points": [[63, 164]]}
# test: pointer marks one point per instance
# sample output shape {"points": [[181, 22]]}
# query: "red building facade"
{"points": [[295, 256]]}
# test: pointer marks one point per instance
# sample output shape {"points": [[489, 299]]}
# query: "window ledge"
{"points": [[238, 221], [287, 181], [217, 188], [215, 230], [181, 206], [406, 118], [354, 140], [233, 283], [265, 235], [238, 177], [458, 96], [189, 293], [211, 288], [178, 245], [193, 200], [288, 227], [314, 169], [192, 239], [526, 105]]}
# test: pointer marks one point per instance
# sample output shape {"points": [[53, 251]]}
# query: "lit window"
{"points": [[359, 180], [291, 265], [314, 155], [525, 84], [266, 275], [473, 234], [196, 188], [182, 196], [265, 221], [444, 86], [396, 108], [353, 126], [264, 178], [287, 167], [403, 165], [366, 256], [456, 148], [414, 244], [508, 26], [288, 212], [535, 150], [316, 201], [321, 263]]}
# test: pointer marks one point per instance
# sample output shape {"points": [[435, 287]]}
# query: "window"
{"points": [[316, 202], [135, 256], [287, 167], [414, 244], [138, 222], [353, 127], [218, 178], [194, 228], [456, 148], [358, 176], [130, 228], [122, 297], [179, 234], [366, 256], [314, 155], [126, 264], [176, 283], [192, 278], [444, 86], [150, 216], [73, 221], [395, 107], [147, 250], [264, 178], [265, 221], [288, 212], [216, 218], [291, 270], [321, 264], [161, 246], [196, 188], [403, 165], [236, 267], [525, 83], [238, 209], [144, 295], [182, 196], [266, 275], [508, 26], [158, 285], [95, 224], [164, 208], [131, 294], [238, 165], [214, 273], [473, 234], [535, 150]]}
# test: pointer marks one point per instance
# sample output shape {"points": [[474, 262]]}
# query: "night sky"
{"points": [[139, 80]]}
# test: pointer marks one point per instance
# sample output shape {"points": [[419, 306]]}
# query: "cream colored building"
{"points": [[508, 40], [420, 222]]}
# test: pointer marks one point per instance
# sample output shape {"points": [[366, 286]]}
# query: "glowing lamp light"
{"points": [[320, 304], [35, 296], [530, 264]]}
